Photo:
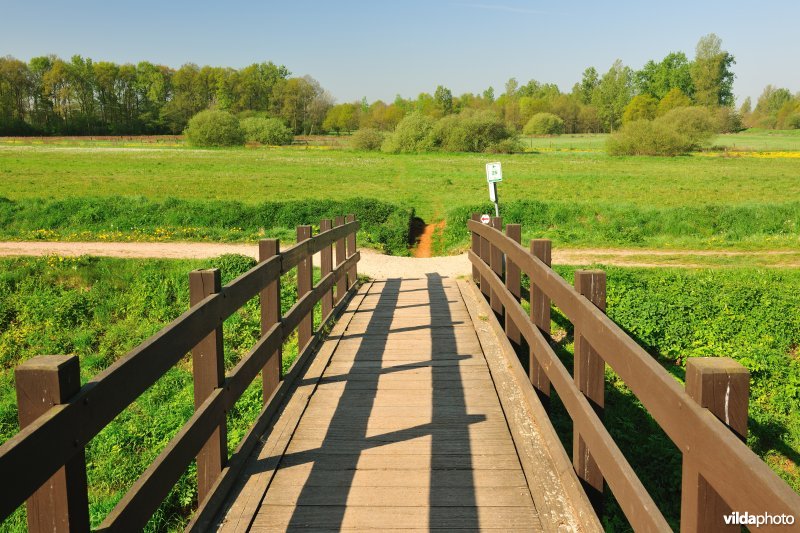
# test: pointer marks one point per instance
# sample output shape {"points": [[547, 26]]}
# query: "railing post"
{"points": [[208, 368], [326, 266], [341, 253], [352, 274], [496, 262], [721, 385], [486, 257], [61, 504], [540, 315], [476, 249], [513, 283], [305, 271], [270, 298], [589, 375]]}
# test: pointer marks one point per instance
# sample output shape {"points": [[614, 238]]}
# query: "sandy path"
{"points": [[382, 266]]}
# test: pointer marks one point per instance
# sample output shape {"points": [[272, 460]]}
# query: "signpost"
{"points": [[494, 174]]}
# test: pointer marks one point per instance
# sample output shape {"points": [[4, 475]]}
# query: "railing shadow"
{"points": [[348, 434]]}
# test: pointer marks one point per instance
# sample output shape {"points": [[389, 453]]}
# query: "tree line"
{"points": [[51, 96], [81, 97]]}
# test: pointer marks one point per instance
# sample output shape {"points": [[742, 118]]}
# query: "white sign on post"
{"points": [[485, 219], [493, 192], [494, 172]]}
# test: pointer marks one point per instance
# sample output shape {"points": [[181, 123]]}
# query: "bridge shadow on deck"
{"points": [[329, 492]]}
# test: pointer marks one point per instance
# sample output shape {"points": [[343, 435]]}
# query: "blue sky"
{"points": [[378, 49]]}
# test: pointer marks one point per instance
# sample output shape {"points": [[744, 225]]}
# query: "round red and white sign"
{"points": [[485, 219]]}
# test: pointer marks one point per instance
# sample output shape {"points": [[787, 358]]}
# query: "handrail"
{"points": [[40, 449], [718, 454]]}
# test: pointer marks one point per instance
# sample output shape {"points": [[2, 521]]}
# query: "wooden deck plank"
{"points": [[279, 517], [403, 430]]}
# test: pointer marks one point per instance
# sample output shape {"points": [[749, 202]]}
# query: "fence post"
{"points": [[476, 249], [513, 284], [341, 280], [721, 385], [496, 261], [326, 266], [589, 375], [209, 373], [486, 257], [540, 315], [270, 298], [352, 274], [61, 503], [305, 271]]}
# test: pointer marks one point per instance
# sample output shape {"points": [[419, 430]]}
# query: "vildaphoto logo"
{"points": [[758, 520]]}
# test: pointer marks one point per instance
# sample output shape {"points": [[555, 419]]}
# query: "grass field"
{"points": [[98, 309], [432, 184]]}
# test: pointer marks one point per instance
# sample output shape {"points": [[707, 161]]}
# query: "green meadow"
{"points": [[580, 199]]}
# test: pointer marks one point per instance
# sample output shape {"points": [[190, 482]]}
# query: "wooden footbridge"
{"points": [[414, 404]]}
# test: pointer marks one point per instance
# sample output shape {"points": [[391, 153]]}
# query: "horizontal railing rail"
{"points": [[37, 454], [715, 458]]}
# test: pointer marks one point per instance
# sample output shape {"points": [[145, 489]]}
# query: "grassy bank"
{"points": [[384, 226], [754, 226], [749, 315], [98, 309]]}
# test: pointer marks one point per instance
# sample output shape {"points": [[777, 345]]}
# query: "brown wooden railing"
{"points": [[44, 463], [720, 472]]}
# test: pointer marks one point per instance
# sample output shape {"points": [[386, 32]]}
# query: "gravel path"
{"points": [[381, 266]]}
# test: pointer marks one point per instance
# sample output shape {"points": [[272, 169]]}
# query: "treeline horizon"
{"points": [[51, 96]]}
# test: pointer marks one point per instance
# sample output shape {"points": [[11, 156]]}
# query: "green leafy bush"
{"points": [[368, 139], [214, 128], [412, 135], [695, 124], [470, 132], [544, 124], [793, 122], [271, 131], [646, 137], [506, 146], [679, 131]]}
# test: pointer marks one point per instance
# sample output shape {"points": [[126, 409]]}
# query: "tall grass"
{"points": [[756, 226], [384, 225], [747, 314], [98, 309]]}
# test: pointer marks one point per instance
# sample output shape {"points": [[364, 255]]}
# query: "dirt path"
{"points": [[382, 266], [425, 246]]}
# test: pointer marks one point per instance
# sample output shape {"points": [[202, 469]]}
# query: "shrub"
{"points": [[214, 128], [544, 124], [793, 122], [646, 137], [696, 124], [727, 120], [469, 132], [270, 131], [367, 139], [680, 130], [506, 146], [412, 134]]}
